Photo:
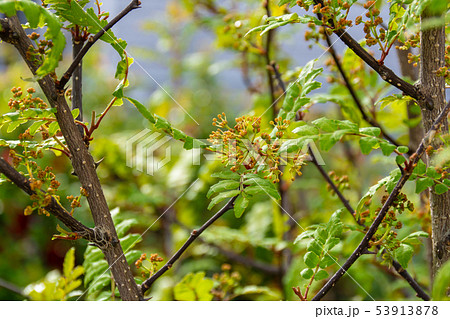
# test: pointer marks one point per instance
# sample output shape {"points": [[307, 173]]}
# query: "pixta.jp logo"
{"points": [[148, 151]]}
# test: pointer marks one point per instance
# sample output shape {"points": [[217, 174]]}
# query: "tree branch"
{"points": [[55, 208], [82, 162], [373, 228], [243, 260], [134, 4], [386, 74], [77, 81], [402, 272], [266, 5], [355, 97], [194, 234], [11, 287]]}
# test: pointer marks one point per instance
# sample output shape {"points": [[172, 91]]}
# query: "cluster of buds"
{"points": [[36, 54], [234, 143], [42, 181], [154, 260], [340, 181], [22, 102], [370, 26], [74, 202], [245, 146], [329, 10], [227, 281]]}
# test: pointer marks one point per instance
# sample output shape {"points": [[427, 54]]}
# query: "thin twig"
{"points": [[134, 4], [11, 287], [54, 208], [194, 234], [355, 97], [420, 292], [402, 272], [267, 56], [386, 74], [243, 260], [414, 159]]}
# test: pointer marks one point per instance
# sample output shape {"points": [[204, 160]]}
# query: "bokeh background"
{"points": [[191, 52]]}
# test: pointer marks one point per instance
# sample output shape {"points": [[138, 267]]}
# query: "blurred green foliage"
{"points": [[158, 211]]}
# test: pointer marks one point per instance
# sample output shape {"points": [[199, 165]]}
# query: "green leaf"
{"points": [[220, 197], [38, 16], [35, 126], [331, 242], [249, 290], [431, 172], [227, 175], [262, 190], [320, 275], [94, 270], [399, 159], [194, 287], [311, 259], [423, 183], [440, 189], [142, 109], [291, 3], [417, 234], [53, 128], [307, 273], [240, 205], [130, 241], [321, 234], [99, 283], [13, 125], [315, 246], [441, 283], [69, 262], [326, 261], [367, 144], [420, 168], [372, 131], [327, 141], [387, 148], [403, 254], [123, 227], [75, 113], [222, 186], [334, 225], [371, 192], [275, 22], [309, 233], [403, 149], [296, 92]]}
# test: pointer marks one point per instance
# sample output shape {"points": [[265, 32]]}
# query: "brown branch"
{"points": [[134, 4], [82, 162], [194, 235], [268, 47], [386, 74], [77, 80], [55, 208], [406, 173], [243, 260], [402, 272], [355, 97]]}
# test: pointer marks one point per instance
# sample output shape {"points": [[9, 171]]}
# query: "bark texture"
{"points": [[432, 43], [83, 164]]}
